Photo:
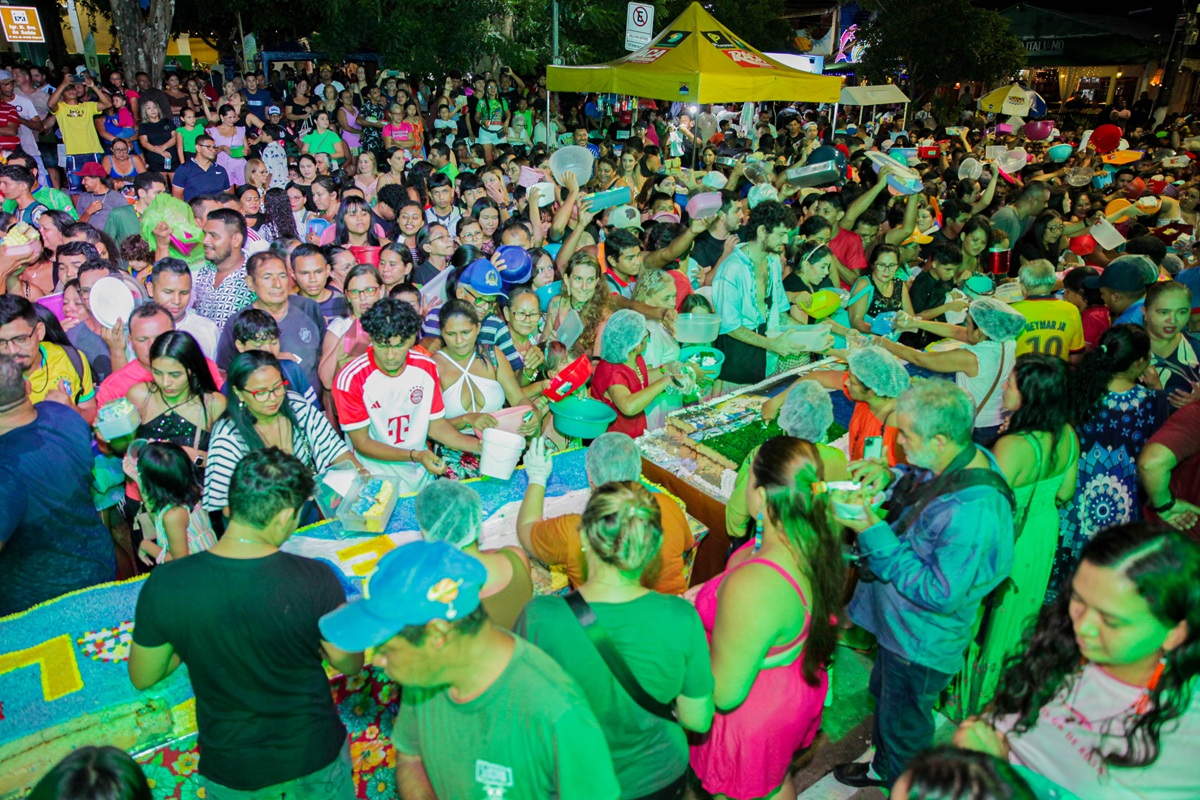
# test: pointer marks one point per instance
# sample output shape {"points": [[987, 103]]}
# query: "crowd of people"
{"points": [[282, 274]]}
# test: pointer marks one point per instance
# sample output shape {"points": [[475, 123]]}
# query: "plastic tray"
{"points": [[358, 524]]}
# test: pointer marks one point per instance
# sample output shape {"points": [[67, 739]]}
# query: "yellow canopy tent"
{"points": [[697, 60]]}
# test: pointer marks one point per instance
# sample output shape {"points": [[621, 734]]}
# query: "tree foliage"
{"points": [[936, 43]]}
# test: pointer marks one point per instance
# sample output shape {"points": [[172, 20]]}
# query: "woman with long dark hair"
{"points": [[1104, 698], [975, 239], [792, 587], [476, 380], [263, 413], [170, 487], [180, 402], [1114, 416], [345, 340], [1092, 310], [1043, 239], [278, 220], [94, 773], [354, 224], [1039, 456]]}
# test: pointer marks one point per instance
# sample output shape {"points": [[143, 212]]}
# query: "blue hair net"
{"points": [[624, 331], [879, 371], [612, 456], [807, 412], [996, 319], [449, 511]]}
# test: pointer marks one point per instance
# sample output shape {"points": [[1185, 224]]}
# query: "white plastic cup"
{"points": [[501, 452]]}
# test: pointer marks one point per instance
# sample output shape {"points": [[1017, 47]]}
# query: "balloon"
{"points": [[1106, 138]]}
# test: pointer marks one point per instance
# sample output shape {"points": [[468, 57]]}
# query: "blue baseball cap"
{"points": [[412, 585], [482, 277]]}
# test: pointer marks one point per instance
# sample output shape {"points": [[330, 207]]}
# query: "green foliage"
{"points": [[936, 43]]}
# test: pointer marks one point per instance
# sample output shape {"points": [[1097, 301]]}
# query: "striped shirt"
{"points": [[314, 442]]}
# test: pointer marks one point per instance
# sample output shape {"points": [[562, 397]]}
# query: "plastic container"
{"points": [[518, 264], [509, 419], [970, 169], [546, 193], [501, 453], [570, 379], [621, 195], [704, 206], [570, 329], [376, 520], [116, 419], [701, 356], [824, 303], [1059, 153], [547, 293], [998, 261], [582, 417], [810, 337], [1039, 130], [572, 158], [366, 254], [697, 328], [1079, 176]]}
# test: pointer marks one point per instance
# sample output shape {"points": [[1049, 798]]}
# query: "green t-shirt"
{"points": [[189, 137], [530, 736], [322, 142], [662, 640], [50, 198], [450, 171], [122, 222]]}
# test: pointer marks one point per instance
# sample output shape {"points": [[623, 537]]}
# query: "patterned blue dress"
{"points": [[1110, 439]]}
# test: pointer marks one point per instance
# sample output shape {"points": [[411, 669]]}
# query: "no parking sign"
{"points": [[639, 25]]}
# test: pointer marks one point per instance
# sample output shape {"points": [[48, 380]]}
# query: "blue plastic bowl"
{"points": [[582, 417], [547, 293], [1059, 153]]}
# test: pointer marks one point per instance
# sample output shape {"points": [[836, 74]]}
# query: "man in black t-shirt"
{"points": [[243, 617], [930, 289], [710, 243]]}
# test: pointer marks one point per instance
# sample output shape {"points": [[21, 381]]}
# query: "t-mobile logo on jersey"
{"points": [[398, 428]]}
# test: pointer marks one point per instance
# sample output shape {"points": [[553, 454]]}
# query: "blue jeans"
{"points": [[905, 694], [75, 163], [985, 437]]}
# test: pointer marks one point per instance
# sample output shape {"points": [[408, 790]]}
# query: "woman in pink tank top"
{"points": [[769, 623]]}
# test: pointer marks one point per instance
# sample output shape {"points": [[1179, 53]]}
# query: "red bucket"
{"points": [[998, 261], [366, 254]]}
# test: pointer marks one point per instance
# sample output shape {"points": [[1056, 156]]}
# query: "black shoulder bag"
{"points": [[608, 651]]}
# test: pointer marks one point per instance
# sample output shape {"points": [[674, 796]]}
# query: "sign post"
{"points": [[22, 24], [639, 25]]}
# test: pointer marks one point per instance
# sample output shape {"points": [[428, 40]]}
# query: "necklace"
{"points": [[247, 541]]}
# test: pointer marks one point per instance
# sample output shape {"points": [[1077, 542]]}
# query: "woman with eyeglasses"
{"points": [[878, 292], [345, 340], [262, 413], [1044, 239], [122, 165], [523, 315], [476, 380], [181, 402]]}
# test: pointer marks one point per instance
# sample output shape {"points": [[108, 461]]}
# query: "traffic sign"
{"points": [[21, 24], [639, 25]]}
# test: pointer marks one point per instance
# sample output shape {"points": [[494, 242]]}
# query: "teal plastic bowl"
{"points": [[547, 293], [687, 353], [582, 417]]}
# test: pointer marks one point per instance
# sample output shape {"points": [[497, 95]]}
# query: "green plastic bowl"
{"points": [[582, 417], [686, 353]]}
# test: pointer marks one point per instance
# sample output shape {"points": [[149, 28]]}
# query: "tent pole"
{"points": [[833, 124], [904, 117]]}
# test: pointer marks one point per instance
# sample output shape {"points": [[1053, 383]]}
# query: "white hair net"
{"points": [[879, 371], [624, 331], [996, 319], [807, 412], [449, 511], [612, 457]]}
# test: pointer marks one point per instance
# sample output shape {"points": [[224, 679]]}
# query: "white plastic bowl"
{"points": [[572, 158], [697, 328]]}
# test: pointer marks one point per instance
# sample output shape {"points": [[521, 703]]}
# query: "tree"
{"points": [[937, 43], [143, 35]]}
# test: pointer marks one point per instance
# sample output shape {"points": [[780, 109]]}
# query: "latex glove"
{"points": [[537, 462]]}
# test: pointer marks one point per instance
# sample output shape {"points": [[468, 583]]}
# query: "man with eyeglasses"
{"points": [[301, 325], [202, 175], [389, 400], [51, 372]]}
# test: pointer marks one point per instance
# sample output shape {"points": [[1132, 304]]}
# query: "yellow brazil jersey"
{"points": [[58, 372], [1052, 327]]}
